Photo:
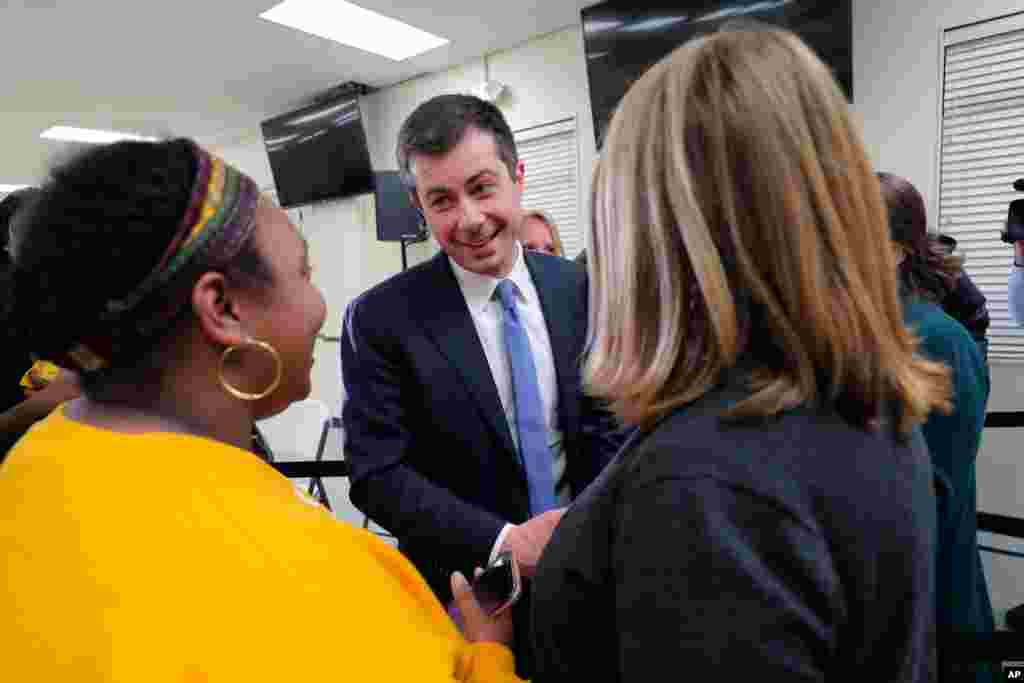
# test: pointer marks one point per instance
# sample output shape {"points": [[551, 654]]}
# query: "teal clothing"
{"points": [[962, 599]]}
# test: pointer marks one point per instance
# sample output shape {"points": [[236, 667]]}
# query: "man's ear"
{"points": [[520, 177], [218, 309]]}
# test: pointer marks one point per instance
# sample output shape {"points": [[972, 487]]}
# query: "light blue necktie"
{"points": [[530, 425]]}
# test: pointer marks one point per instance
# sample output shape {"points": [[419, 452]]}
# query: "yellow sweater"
{"points": [[165, 557]]}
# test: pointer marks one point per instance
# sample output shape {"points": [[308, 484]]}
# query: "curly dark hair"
{"points": [[11, 204], [97, 228], [9, 208]]}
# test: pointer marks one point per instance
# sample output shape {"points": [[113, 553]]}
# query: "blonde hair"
{"points": [[546, 219], [735, 214]]}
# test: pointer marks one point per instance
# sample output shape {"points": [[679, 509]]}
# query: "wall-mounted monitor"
{"points": [[319, 152], [624, 38]]}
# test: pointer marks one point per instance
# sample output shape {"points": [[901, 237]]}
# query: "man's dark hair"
{"points": [[439, 124]]}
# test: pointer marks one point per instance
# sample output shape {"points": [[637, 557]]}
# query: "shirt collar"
{"points": [[479, 289]]}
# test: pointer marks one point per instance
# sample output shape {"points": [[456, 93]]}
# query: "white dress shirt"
{"points": [[487, 315]]}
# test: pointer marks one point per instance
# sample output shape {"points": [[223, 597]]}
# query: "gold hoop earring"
{"points": [[245, 395]]}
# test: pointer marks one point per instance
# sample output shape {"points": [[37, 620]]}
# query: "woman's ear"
{"points": [[217, 308]]}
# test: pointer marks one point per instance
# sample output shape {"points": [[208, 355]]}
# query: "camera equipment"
{"points": [[1014, 231]]}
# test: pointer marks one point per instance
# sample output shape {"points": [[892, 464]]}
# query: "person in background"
{"points": [[538, 232], [966, 304], [20, 407], [141, 537], [774, 512], [1015, 284], [466, 425], [926, 276]]}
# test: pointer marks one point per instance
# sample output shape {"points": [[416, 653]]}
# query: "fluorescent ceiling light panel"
{"points": [[352, 25], [96, 137], [7, 189]]}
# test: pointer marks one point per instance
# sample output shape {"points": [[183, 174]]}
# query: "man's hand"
{"points": [[526, 541]]}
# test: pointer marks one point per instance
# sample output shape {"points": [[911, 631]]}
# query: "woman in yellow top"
{"points": [[141, 539]]}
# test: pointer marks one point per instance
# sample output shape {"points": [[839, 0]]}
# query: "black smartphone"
{"points": [[499, 586]]}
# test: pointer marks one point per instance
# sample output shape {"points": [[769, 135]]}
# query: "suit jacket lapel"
{"points": [[557, 301], [447, 319]]}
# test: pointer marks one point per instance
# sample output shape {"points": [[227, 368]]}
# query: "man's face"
{"points": [[471, 203]]}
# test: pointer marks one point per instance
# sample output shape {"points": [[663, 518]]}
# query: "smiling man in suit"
{"points": [[466, 425]]}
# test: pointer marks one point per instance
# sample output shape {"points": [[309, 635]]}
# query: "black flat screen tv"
{"points": [[319, 152], [623, 39], [397, 218]]}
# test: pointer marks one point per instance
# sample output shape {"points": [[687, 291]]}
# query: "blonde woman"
{"points": [[773, 515], [538, 232]]}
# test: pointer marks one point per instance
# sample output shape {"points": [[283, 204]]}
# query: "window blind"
{"points": [[549, 155], [981, 154]]}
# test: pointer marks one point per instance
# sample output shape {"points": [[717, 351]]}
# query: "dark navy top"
{"points": [[796, 548]]}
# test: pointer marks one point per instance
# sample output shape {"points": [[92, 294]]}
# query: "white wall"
{"points": [[897, 85]]}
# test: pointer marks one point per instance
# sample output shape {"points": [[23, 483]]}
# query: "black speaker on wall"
{"points": [[398, 219]]}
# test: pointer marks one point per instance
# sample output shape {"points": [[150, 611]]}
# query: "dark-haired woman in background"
{"points": [[141, 538], [20, 409], [926, 276]]}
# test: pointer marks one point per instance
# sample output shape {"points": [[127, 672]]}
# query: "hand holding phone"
{"points": [[499, 586], [492, 621]]}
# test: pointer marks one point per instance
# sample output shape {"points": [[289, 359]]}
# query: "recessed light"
{"points": [[352, 25], [91, 136]]}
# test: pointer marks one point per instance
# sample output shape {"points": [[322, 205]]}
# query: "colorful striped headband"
{"points": [[220, 217]]}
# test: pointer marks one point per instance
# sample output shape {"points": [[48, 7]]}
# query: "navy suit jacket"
{"points": [[431, 454]]}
